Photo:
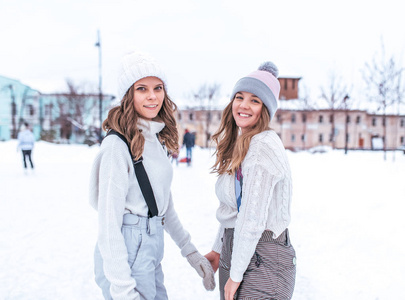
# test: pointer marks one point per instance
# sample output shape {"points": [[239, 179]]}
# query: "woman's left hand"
{"points": [[213, 258], [230, 289]]}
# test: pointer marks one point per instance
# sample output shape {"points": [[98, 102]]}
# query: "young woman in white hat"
{"points": [[130, 240]]}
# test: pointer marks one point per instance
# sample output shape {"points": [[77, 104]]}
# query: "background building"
{"points": [[75, 118], [18, 103], [302, 127], [59, 117]]}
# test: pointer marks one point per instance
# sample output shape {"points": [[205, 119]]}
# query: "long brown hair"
{"points": [[124, 119], [232, 147]]}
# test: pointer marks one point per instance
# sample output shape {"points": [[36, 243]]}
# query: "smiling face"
{"points": [[246, 110], [148, 97]]}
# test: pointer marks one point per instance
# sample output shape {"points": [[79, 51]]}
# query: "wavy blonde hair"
{"points": [[124, 119], [232, 147]]}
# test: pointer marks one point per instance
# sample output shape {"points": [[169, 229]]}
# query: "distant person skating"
{"points": [[188, 141], [26, 141]]}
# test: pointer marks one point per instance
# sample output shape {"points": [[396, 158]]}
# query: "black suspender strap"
{"points": [[142, 178], [146, 188]]}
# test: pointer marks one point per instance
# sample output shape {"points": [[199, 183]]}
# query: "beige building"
{"points": [[306, 128], [197, 122], [303, 129]]}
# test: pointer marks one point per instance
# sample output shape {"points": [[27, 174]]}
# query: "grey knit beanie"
{"points": [[264, 84]]}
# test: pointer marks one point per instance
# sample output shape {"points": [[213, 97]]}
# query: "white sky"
{"points": [[43, 42]]}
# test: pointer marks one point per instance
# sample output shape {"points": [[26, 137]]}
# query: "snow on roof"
{"points": [[300, 104], [367, 106]]}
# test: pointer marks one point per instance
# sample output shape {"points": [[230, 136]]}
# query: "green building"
{"points": [[58, 117]]}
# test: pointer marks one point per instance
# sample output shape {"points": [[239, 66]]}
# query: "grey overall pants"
{"points": [[144, 241]]}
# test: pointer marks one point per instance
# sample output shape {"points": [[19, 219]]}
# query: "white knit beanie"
{"points": [[134, 66]]}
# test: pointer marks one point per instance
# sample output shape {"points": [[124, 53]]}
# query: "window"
{"points": [[321, 137], [219, 116], [179, 116], [285, 84], [402, 122], [47, 110], [320, 119], [293, 118], [383, 121], [402, 140], [293, 138], [278, 118], [304, 118], [63, 108], [347, 137], [303, 138], [358, 120], [347, 119], [374, 122], [30, 109], [190, 116], [331, 119]]}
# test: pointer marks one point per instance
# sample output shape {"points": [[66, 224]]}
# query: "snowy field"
{"points": [[347, 222]]}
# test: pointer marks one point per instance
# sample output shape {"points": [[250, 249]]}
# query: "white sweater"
{"points": [[266, 200], [26, 140], [114, 191]]}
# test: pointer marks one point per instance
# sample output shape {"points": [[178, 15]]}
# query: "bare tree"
{"points": [[399, 101], [334, 95], [14, 130], [200, 96], [383, 79], [72, 105], [205, 97], [212, 92]]}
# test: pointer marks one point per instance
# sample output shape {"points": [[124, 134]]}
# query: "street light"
{"points": [[100, 94], [346, 123]]}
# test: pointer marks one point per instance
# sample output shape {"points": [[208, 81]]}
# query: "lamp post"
{"points": [[346, 123], [100, 93]]}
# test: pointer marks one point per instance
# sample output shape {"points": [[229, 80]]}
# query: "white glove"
{"points": [[203, 268]]}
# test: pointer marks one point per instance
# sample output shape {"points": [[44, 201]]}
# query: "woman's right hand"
{"points": [[213, 258]]}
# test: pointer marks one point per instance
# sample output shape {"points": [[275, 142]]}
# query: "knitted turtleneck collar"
{"points": [[150, 128]]}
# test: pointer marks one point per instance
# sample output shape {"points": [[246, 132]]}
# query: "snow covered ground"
{"points": [[347, 223]]}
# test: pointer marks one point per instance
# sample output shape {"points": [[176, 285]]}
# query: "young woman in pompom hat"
{"points": [[252, 249], [130, 240]]}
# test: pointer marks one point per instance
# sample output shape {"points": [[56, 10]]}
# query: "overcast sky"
{"points": [[43, 42]]}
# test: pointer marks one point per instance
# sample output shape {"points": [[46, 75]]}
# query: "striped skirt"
{"points": [[271, 271]]}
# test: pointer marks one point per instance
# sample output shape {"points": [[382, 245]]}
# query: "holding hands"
{"points": [[203, 268], [213, 258], [230, 286]]}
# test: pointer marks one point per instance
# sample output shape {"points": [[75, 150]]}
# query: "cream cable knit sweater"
{"points": [[114, 191], [266, 200]]}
